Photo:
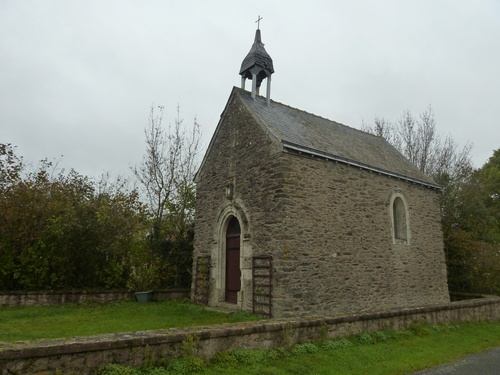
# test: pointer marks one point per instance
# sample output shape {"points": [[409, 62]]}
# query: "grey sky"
{"points": [[77, 78]]}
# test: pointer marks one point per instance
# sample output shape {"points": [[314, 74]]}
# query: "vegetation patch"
{"points": [[50, 322]]}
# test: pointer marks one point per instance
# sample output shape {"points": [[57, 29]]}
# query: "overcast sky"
{"points": [[77, 78]]}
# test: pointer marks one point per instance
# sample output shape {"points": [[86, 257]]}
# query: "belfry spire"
{"points": [[257, 65]]}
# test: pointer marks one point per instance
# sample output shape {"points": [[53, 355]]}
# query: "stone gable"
{"points": [[244, 157]]}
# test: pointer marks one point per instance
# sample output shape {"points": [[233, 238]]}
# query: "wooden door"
{"points": [[233, 272]]}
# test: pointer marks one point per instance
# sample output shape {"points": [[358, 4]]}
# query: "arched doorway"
{"points": [[233, 272]]}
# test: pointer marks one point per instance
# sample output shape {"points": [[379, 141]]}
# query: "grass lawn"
{"points": [[49, 322]]}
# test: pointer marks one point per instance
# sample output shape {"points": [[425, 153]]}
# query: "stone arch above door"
{"points": [[233, 210]]}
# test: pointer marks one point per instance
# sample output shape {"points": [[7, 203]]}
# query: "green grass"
{"points": [[387, 353], [49, 322]]}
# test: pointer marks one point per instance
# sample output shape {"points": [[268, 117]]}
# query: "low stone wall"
{"points": [[85, 355], [48, 298]]}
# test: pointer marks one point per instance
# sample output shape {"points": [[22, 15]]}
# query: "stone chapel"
{"points": [[298, 215]]}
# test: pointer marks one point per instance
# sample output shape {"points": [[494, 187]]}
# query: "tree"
{"points": [[418, 139], [64, 230], [473, 243], [11, 167], [489, 176], [166, 176]]}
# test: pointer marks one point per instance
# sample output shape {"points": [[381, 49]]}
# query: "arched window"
{"points": [[233, 227], [399, 218]]}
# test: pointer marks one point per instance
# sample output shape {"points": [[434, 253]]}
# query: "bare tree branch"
{"points": [[168, 166]]}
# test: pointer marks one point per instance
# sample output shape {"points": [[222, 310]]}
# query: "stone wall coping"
{"points": [[58, 297], [43, 348], [78, 291]]}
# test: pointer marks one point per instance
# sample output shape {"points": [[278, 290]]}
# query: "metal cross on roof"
{"points": [[258, 22]]}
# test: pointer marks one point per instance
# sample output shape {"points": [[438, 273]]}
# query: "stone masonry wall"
{"points": [[336, 254], [327, 225], [86, 354], [48, 298]]}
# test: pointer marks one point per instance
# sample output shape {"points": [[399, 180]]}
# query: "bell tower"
{"points": [[257, 65]]}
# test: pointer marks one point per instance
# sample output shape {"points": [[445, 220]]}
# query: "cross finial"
{"points": [[258, 22]]}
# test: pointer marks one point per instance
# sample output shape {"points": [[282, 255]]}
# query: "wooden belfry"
{"points": [[257, 65]]}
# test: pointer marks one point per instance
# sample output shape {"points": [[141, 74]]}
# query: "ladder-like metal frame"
{"points": [[202, 279], [262, 285]]}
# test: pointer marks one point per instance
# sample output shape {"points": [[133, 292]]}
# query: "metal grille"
{"points": [[202, 279], [262, 285]]}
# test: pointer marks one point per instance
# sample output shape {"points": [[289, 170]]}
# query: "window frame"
{"points": [[394, 207]]}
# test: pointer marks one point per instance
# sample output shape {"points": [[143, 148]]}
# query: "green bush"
{"points": [[185, 366], [307, 348], [64, 230], [366, 339], [336, 344]]}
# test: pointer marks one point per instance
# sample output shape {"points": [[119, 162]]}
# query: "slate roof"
{"points": [[304, 132], [256, 56]]}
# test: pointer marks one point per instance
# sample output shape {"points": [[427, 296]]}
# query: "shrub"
{"points": [[336, 344], [307, 348]]}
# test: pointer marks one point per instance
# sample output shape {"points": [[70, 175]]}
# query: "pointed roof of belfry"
{"points": [[257, 56]]}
